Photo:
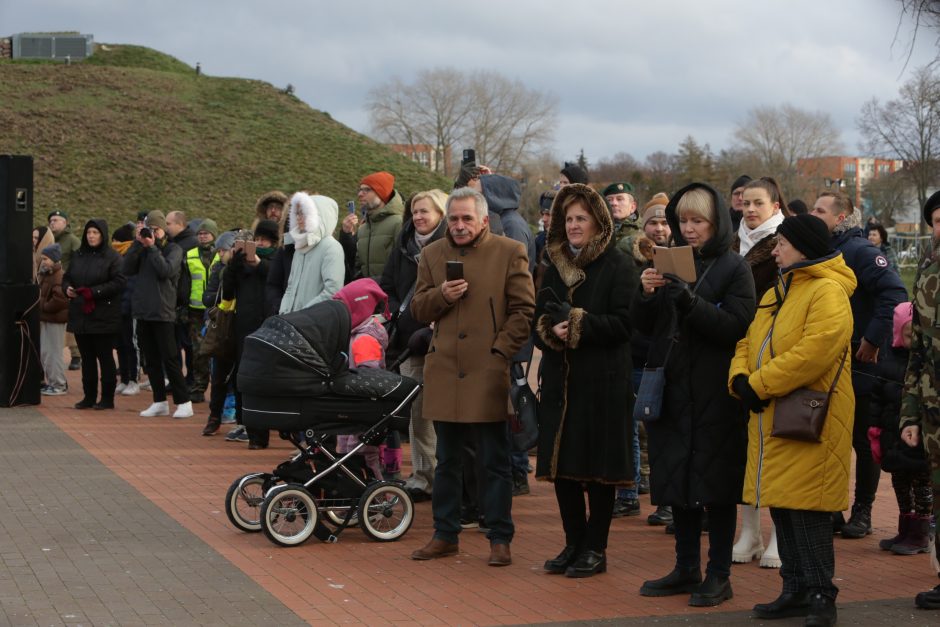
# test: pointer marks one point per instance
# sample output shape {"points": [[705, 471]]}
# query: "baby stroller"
{"points": [[294, 378]]}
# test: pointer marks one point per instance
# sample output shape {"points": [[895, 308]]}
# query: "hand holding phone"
{"points": [[455, 287], [251, 249], [454, 270], [351, 206]]}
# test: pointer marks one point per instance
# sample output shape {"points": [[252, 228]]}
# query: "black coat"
{"points": [[246, 284], [698, 448], [398, 281], [586, 405], [278, 275], [98, 269], [885, 411], [158, 270]]}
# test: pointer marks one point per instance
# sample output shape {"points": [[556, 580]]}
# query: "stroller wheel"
{"points": [[243, 502], [386, 511], [288, 515]]}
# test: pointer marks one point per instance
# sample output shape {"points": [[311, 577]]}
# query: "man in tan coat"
{"points": [[480, 321]]}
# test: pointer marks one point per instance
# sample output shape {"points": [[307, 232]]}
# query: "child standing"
{"points": [[910, 473], [53, 316]]}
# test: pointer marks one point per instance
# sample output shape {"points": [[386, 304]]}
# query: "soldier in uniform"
{"points": [[920, 404]]}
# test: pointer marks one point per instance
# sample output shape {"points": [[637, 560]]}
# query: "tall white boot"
{"points": [[771, 558], [749, 545]]}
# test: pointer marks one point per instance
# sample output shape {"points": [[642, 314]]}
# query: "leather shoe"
{"points": [[822, 611], [434, 549], [679, 581], [84, 404], [588, 564], [560, 564], [499, 554], [714, 591], [788, 604]]}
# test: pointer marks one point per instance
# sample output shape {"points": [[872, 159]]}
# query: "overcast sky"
{"points": [[630, 76]]}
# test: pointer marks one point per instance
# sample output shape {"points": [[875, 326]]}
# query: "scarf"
{"points": [[422, 240], [304, 242], [749, 237]]}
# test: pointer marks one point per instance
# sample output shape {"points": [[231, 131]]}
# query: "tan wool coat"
{"points": [[466, 372]]}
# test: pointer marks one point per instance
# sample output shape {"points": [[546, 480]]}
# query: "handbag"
{"points": [[648, 405], [524, 421], [218, 338], [801, 414]]}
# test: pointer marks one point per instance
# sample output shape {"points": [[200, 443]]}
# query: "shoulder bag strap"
{"points": [[673, 340]]}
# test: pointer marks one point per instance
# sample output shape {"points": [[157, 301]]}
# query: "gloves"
{"points": [[467, 171], [680, 293], [558, 312], [749, 397]]}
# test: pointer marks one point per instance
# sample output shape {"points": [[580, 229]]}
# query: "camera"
{"points": [[146, 232]]}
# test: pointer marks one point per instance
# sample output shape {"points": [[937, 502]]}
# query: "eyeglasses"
{"points": [[365, 190]]}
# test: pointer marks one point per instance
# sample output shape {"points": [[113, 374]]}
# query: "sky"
{"points": [[630, 76]]}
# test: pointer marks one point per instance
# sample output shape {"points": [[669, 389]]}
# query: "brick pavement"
{"points": [[139, 536]]}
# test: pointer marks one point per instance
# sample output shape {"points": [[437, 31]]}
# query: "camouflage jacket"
{"points": [[625, 233], [920, 403]]}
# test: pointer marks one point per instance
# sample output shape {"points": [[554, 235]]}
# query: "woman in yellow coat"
{"points": [[800, 338]]}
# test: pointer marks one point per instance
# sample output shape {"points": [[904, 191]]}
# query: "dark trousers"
{"points": [[722, 520], [199, 367], [471, 486], [185, 348], [127, 350], [804, 539], [223, 373], [492, 442], [157, 341], [588, 532], [97, 349], [867, 470]]}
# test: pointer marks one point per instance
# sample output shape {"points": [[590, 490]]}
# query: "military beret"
{"points": [[59, 213], [617, 188]]}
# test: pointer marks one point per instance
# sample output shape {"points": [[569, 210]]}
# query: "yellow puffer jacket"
{"points": [[813, 328]]}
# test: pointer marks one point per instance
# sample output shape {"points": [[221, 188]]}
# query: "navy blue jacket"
{"points": [[502, 196], [879, 291]]}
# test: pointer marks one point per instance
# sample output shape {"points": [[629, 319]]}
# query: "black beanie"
{"points": [[575, 173], [808, 234], [932, 204], [741, 181], [269, 229], [797, 206], [125, 233]]}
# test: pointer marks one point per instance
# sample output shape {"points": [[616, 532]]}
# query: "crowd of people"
{"points": [[783, 299]]}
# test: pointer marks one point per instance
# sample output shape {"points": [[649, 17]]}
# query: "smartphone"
{"points": [[250, 249], [469, 156], [454, 270], [351, 206], [239, 245], [146, 232]]}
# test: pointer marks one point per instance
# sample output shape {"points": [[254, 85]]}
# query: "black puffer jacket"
{"points": [[99, 269], [698, 448], [246, 284], [398, 280], [278, 275], [158, 269], [885, 407]]}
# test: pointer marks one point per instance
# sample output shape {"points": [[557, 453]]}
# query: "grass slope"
{"points": [[133, 129]]}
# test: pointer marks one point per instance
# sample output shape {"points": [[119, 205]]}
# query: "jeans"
{"points": [[492, 449]]}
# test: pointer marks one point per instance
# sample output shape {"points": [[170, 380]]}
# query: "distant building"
{"points": [[425, 154], [62, 46], [850, 174]]}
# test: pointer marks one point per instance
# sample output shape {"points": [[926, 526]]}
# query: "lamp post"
{"points": [[839, 183]]}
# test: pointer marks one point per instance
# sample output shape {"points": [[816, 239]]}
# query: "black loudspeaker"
{"points": [[16, 219], [20, 369]]}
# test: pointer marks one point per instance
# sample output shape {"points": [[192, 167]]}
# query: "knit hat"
{"points": [[382, 183], [903, 313], [156, 220], [57, 212], [797, 206], [53, 252], [125, 233], [575, 173], [361, 297], [209, 226], [142, 215], [655, 208], [617, 188], [932, 204], [808, 234], [225, 241], [741, 181], [546, 200], [268, 229]]}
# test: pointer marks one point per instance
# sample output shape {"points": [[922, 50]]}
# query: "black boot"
{"points": [[85, 403], [786, 605], [904, 521], [560, 564], [929, 600], [822, 611], [859, 524], [588, 564], [679, 581], [713, 591], [662, 516], [837, 521], [105, 403]]}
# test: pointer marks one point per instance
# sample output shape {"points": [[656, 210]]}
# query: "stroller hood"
{"points": [[296, 354]]}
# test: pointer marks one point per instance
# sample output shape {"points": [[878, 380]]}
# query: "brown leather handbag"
{"points": [[801, 414]]}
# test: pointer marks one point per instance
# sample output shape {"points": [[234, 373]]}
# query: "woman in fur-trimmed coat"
{"points": [[582, 324]]}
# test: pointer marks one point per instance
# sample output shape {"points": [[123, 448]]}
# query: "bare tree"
{"points": [[502, 119], [621, 167], [924, 14], [780, 136], [661, 172], [907, 128], [888, 195]]}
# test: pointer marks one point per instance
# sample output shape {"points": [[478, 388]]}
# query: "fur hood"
{"points": [[275, 196], [571, 268], [643, 249], [851, 221], [320, 217]]}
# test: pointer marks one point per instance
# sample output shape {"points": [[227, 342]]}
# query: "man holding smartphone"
{"points": [[368, 247], [480, 321]]}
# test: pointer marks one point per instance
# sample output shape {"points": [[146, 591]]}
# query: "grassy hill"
{"points": [[132, 129]]}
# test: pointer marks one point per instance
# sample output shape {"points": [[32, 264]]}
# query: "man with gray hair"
{"points": [[477, 290]]}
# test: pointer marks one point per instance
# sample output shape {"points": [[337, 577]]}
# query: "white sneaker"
{"points": [[146, 385], [119, 387], [131, 389], [157, 409], [184, 410]]}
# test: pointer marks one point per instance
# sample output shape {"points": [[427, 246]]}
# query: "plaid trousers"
{"points": [[804, 539]]}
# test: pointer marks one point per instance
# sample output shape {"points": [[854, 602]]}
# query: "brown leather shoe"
{"points": [[434, 549], [499, 554]]}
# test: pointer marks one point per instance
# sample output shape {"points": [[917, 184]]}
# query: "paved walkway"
{"points": [[107, 518]]}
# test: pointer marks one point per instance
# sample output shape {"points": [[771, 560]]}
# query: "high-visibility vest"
{"points": [[199, 274]]}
